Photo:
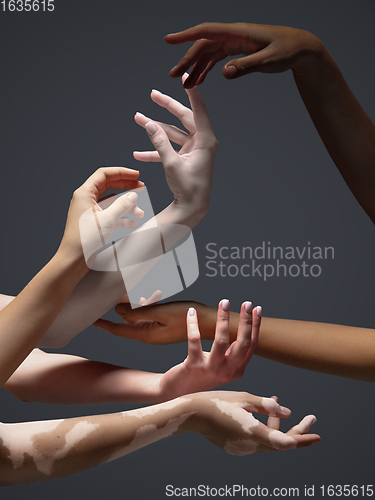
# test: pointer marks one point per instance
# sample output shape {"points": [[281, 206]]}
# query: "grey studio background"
{"points": [[70, 84]]}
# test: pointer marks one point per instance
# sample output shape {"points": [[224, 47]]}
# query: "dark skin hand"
{"points": [[346, 130]]}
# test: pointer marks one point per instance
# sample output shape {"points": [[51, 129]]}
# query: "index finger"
{"points": [[112, 178], [200, 114], [211, 31]]}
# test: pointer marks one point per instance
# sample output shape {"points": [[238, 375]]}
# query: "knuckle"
{"points": [[282, 445], [241, 24], [194, 338], [75, 194], [244, 345], [206, 24], [158, 141], [237, 375], [222, 344], [185, 60]]}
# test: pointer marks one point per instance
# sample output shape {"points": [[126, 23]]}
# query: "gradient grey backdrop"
{"points": [[71, 82]]}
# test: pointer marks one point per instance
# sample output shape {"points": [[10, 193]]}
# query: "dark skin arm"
{"points": [[335, 349]]}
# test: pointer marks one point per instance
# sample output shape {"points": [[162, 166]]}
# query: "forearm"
{"points": [[63, 447], [345, 128], [71, 380], [24, 320], [335, 349]]}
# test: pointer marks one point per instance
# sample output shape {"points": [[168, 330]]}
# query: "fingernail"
{"points": [[225, 305], [191, 311], [151, 128], [230, 70], [186, 74], [285, 411], [259, 311], [133, 197], [157, 91], [140, 114], [248, 307]]}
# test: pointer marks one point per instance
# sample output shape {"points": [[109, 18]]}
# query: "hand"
{"points": [[96, 224], [226, 419], [202, 371], [268, 49], [86, 198], [159, 324], [188, 171]]}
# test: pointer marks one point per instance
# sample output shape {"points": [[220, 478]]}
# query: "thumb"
{"points": [[161, 142], [131, 316], [118, 329], [245, 65]]}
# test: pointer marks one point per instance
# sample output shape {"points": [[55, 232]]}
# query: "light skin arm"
{"points": [[38, 451], [26, 318], [52, 378], [345, 128], [335, 349]]}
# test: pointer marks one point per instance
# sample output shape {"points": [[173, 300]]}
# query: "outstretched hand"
{"points": [[189, 171], [267, 49], [226, 419], [202, 371]]}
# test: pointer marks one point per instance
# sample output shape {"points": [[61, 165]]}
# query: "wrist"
{"points": [[74, 263], [188, 213], [160, 393], [311, 56], [199, 407]]}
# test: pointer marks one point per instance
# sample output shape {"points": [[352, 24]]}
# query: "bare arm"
{"points": [[346, 130], [336, 349], [56, 378], [38, 451], [66, 379], [26, 318]]}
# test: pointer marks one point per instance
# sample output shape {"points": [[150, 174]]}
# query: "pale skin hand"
{"points": [[189, 171], [38, 451], [245, 434], [207, 370], [346, 130], [52, 378], [335, 349], [24, 321]]}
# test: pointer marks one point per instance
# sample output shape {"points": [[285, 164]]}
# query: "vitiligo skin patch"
{"points": [[36, 451], [246, 435]]}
